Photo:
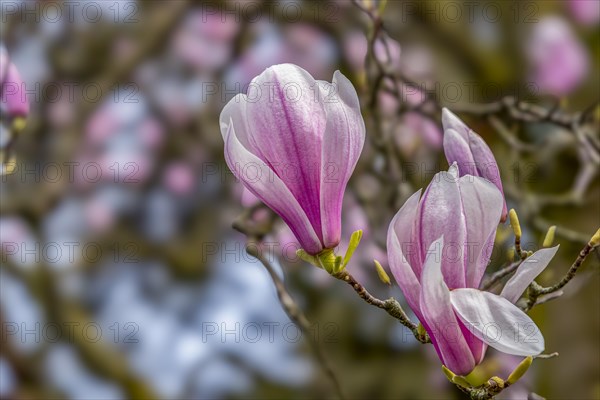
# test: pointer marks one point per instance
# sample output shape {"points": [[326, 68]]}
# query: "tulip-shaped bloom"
{"points": [[473, 156], [438, 248], [13, 100], [294, 141]]}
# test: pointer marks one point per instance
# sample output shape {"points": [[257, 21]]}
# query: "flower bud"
{"points": [[514, 223], [520, 370], [549, 236], [383, 276]]}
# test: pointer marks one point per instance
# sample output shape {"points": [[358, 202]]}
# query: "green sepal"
{"points": [[304, 256], [449, 374], [461, 381], [456, 379], [328, 260], [337, 267]]}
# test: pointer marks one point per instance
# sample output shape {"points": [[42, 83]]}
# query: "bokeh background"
{"points": [[121, 275]]}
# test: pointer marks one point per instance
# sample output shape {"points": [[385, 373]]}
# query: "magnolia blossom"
{"points": [[13, 99], [586, 12], [558, 59], [294, 141], [473, 156], [439, 246]]}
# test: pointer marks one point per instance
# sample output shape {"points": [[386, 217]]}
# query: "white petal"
{"points": [[498, 322], [526, 273]]}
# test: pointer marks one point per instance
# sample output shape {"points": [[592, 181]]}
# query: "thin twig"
{"points": [[391, 305], [571, 273], [536, 290], [294, 312], [498, 275]]}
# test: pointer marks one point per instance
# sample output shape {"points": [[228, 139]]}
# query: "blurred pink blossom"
{"points": [[415, 129], [101, 126], [13, 98], [417, 64], [586, 12], [151, 133], [300, 44], [311, 48], [61, 112], [559, 61], [179, 178], [387, 51], [205, 39], [99, 214], [355, 49]]}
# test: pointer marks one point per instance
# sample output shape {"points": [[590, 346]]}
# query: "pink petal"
{"points": [[266, 185], [439, 315], [13, 98], [285, 127], [473, 156], [456, 149], [399, 242], [440, 214], [451, 121], [486, 165], [478, 347], [343, 141]]}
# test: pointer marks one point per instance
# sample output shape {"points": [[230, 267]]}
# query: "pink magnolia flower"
{"points": [[586, 12], [415, 129], [14, 101], [294, 142], [473, 156], [439, 246], [559, 61]]}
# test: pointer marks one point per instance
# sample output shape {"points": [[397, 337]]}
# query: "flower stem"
{"points": [[391, 305]]}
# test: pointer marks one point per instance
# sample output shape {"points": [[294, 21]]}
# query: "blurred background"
{"points": [[121, 275]]}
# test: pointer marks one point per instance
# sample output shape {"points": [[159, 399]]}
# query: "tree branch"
{"points": [[294, 312], [391, 305], [536, 290]]}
